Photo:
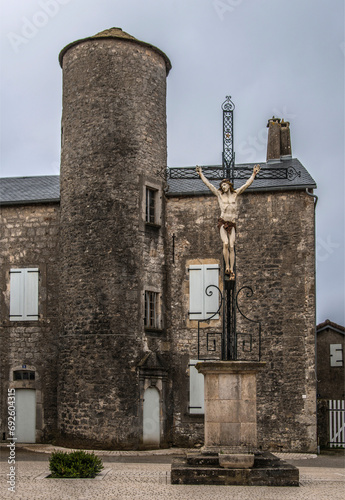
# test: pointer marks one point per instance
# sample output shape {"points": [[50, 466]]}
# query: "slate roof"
{"points": [[19, 190], [299, 179], [46, 189], [116, 33]]}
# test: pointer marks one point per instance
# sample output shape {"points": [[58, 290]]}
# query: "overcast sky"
{"points": [[274, 57]]}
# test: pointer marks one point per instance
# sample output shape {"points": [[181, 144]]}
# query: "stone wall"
{"points": [[29, 238], [275, 256]]}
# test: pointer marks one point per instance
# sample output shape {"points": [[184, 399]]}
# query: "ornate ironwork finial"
{"points": [[228, 139], [228, 105]]}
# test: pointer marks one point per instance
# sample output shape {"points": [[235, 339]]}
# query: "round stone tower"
{"points": [[113, 165]]}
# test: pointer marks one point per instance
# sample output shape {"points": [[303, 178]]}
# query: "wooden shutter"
{"points": [[31, 294], [336, 354], [24, 294], [196, 389], [16, 294], [211, 299], [201, 305], [196, 305]]}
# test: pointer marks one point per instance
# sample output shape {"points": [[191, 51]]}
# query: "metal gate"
{"points": [[336, 423]]}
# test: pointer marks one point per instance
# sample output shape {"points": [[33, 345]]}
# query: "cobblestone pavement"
{"points": [[151, 481]]}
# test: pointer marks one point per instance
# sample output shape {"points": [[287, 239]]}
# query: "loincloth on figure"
{"points": [[227, 224]]}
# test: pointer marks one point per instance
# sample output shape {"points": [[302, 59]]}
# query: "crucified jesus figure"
{"points": [[227, 200]]}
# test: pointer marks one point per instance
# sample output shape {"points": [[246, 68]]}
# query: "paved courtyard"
{"points": [[321, 478]]}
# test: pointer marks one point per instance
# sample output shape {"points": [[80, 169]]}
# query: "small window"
{"points": [[152, 316], [204, 295], [336, 354], [196, 389], [23, 375], [151, 195], [24, 294]]}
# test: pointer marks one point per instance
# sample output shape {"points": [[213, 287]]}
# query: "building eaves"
{"points": [[301, 181], [46, 189], [330, 325]]}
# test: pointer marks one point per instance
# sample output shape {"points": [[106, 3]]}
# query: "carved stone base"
{"points": [[230, 405], [236, 461], [267, 470]]}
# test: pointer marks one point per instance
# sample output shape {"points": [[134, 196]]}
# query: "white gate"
{"points": [[336, 423], [25, 415]]}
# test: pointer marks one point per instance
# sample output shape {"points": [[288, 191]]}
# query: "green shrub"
{"points": [[74, 464]]}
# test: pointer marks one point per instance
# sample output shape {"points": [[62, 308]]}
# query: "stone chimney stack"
{"points": [[278, 142], [285, 142]]}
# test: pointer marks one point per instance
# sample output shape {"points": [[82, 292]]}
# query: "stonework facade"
{"points": [[29, 239], [109, 355], [275, 256]]}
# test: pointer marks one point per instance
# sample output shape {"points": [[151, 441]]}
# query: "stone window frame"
{"points": [[149, 184], [42, 295]]}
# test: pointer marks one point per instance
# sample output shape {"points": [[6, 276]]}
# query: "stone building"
{"points": [[330, 360], [104, 269], [330, 374]]}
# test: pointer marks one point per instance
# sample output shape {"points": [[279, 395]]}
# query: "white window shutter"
{"points": [[31, 294], [202, 305], [196, 290], [16, 294], [24, 294], [212, 298], [336, 354], [196, 389]]}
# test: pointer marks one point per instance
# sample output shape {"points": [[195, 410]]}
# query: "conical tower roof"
{"points": [[116, 33]]}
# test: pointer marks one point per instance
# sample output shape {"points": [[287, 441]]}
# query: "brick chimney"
{"points": [[278, 142]]}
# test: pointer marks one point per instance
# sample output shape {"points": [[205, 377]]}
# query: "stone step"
{"points": [[278, 475], [202, 460]]}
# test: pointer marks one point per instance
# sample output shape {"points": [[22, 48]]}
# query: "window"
{"points": [[23, 375], [203, 296], [151, 205], [24, 294], [336, 354], [152, 316], [196, 389]]}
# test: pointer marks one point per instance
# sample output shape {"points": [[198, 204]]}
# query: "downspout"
{"points": [[313, 196]]}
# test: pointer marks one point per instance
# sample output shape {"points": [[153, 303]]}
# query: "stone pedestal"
{"points": [[229, 456], [230, 406]]}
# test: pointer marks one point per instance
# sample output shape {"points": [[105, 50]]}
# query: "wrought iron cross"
{"points": [[228, 139]]}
